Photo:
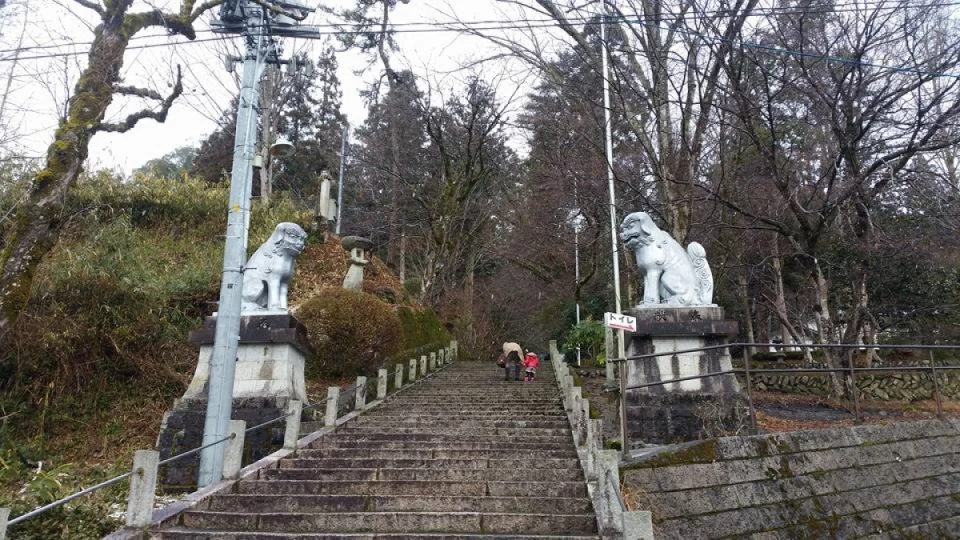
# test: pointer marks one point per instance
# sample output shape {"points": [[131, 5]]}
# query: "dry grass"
{"points": [[873, 412]]}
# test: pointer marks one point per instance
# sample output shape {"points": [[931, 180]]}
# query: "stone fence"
{"points": [[600, 467], [896, 386]]}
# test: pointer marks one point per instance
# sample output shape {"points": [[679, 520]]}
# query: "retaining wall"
{"points": [[898, 480]]}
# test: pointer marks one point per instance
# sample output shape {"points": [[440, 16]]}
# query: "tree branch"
{"points": [[139, 92], [159, 115], [89, 4]]}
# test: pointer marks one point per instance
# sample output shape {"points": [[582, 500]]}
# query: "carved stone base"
{"points": [[687, 409], [677, 417], [270, 358], [269, 373], [182, 430]]}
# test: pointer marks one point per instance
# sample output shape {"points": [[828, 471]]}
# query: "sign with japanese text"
{"points": [[620, 322]]}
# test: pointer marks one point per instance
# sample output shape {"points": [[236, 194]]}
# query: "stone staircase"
{"points": [[463, 455]]}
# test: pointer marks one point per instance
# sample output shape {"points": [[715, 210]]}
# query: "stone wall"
{"points": [[899, 386], [899, 480]]}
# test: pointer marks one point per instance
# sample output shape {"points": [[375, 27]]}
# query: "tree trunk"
{"points": [[37, 222], [394, 227], [403, 257], [747, 312], [826, 327]]}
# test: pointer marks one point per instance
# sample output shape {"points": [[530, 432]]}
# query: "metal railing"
{"points": [[849, 371], [134, 516]]}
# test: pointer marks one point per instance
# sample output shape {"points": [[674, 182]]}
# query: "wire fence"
{"points": [[848, 371]]}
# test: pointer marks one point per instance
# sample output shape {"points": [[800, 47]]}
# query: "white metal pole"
{"points": [[343, 160], [227, 335], [621, 348], [576, 257]]}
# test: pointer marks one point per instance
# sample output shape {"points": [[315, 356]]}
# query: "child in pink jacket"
{"points": [[530, 364]]}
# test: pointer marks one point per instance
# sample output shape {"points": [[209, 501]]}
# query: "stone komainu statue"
{"points": [[672, 275], [267, 274]]}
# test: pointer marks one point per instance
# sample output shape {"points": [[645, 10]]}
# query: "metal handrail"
{"points": [[69, 498], [616, 490], [795, 345], [285, 416], [182, 455], [747, 372]]}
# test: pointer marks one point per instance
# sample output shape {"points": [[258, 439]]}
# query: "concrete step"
{"points": [[453, 522], [457, 431], [518, 488], [395, 503], [469, 414], [473, 424], [413, 438], [460, 455], [437, 453], [424, 475], [539, 462], [188, 534], [380, 444]]}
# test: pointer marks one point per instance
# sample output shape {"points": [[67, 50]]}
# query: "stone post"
{"points": [[637, 525], [610, 350], [333, 406], [608, 485], [360, 396], [593, 445], [398, 382], [292, 432], [576, 410], [413, 369], [382, 383], [441, 354], [4, 517], [433, 361], [143, 488], [233, 457], [586, 419], [454, 350], [423, 365]]}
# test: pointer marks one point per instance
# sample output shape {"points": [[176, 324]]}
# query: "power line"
{"points": [[516, 24], [550, 23]]}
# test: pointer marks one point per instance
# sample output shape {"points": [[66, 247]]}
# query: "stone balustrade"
{"points": [[601, 467]]}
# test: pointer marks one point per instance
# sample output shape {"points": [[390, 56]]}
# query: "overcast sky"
{"points": [[42, 76]]}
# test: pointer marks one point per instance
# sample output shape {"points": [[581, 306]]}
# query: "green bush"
{"points": [[588, 336], [421, 328], [352, 332]]}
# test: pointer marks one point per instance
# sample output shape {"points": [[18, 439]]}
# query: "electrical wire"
{"points": [[549, 23], [453, 26]]}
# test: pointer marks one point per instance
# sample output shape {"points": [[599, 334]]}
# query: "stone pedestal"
{"points": [[270, 358], [269, 373], [684, 410]]}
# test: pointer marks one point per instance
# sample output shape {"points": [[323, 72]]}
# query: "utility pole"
{"points": [[576, 256], [621, 347], [343, 165], [252, 22]]}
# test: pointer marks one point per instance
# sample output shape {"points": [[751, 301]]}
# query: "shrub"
{"points": [[421, 328], [588, 336], [352, 332]]}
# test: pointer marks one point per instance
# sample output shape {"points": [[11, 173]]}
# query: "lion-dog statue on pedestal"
{"points": [[672, 275], [267, 274]]}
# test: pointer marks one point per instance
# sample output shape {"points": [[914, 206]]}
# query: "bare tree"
{"points": [[834, 123], [37, 221]]}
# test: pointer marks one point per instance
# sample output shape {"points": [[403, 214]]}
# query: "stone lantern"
{"points": [[357, 246]]}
